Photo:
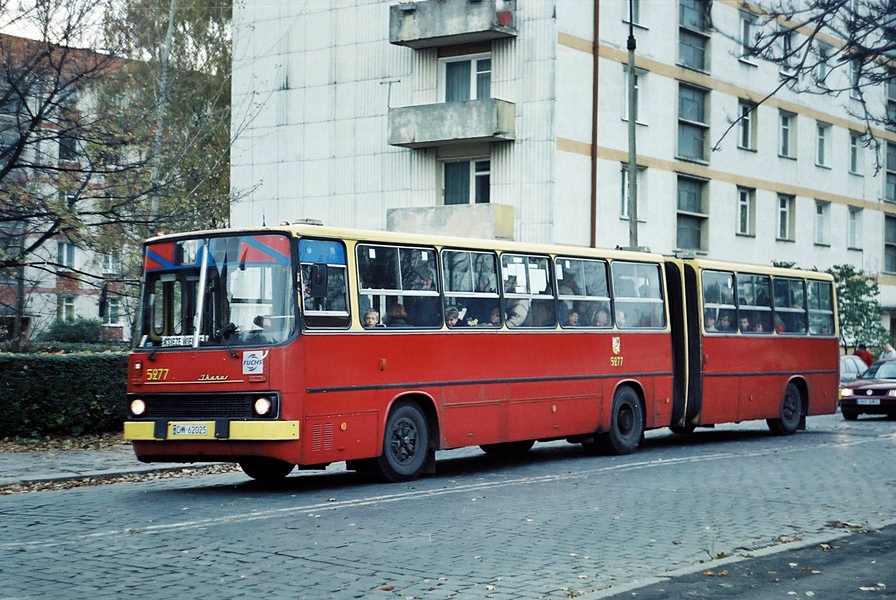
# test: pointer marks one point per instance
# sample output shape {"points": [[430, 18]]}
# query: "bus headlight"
{"points": [[262, 407], [138, 407]]}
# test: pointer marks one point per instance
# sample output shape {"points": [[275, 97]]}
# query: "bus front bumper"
{"points": [[222, 429]]}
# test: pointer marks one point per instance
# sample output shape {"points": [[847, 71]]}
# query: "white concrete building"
{"points": [[507, 118]]}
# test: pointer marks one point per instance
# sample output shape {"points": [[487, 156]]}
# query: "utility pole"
{"points": [[632, 153]]}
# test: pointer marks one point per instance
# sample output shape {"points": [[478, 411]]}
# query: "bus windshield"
{"points": [[218, 291]]}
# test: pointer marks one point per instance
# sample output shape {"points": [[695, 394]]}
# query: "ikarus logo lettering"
{"points": [[253, 362]]}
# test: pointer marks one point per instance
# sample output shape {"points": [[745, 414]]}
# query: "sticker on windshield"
{"points": [[253, 362]]}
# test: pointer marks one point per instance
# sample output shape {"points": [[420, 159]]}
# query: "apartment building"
{"points": [[509, 119]]}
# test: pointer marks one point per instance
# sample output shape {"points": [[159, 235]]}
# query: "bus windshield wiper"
{"points": [[224, 334]]}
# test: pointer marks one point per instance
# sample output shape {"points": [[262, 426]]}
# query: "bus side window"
{"points": [[471, 289], [821, 311], [323, 283], [528, 291], [719, 311], [637, 294]]}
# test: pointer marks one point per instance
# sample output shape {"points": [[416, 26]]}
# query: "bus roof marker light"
{"points": [[307, 221]]}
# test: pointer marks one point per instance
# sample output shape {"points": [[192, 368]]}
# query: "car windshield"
{"points": [[243, 284], [881, 370]]}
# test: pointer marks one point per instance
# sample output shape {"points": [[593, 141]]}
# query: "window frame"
{"points": [[747, 124], [700, 128], [785, 222], [640, 180], [787, 130], [856, 153], [475, 176], [686, 213], [746, 212], [822, 223], [823, 134], [474, 93]]}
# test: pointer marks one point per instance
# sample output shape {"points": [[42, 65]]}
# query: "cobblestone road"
{"points": [[556, 524]]}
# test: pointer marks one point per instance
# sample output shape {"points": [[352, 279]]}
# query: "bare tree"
{"points": [[89, 139], [830, 47]]}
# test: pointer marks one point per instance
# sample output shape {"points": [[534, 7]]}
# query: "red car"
{"points": [[872, 393]]}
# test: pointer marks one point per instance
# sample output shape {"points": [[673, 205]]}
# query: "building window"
{"points": [[822, 144], [113, 312], [787, 135], [822, 223], [785, 38], [785, 217], [891, 105], [65, 254], [692, 33], [891, 172], [692, 220], [467, 78], [65, 309], [642, 193], [692, 125], [856, 153], [854, 228], [68, 147], [112, 262], [634, 13], [639, 78], [467, 182], [822, 68], [746, 211], [747, 25], [747, 112], [855, 79], [890, 244]]}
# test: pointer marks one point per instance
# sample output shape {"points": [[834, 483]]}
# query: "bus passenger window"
{"points": [[471, 288], [821, 311], [637, 294], [789, 305], [754, 308], [583, 292], [528, 291], [719, 310], [400, 283]]}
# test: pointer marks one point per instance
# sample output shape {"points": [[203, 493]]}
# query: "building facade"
{"points": [[510, 119]]}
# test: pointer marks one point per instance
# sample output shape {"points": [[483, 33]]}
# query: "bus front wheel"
{"points": [[266, 469], [626, 424], [791, 412], [405, 444]]}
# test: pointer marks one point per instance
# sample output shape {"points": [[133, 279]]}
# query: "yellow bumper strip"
{"points": [[205, 430]]}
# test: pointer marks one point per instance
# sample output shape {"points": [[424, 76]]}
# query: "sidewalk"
{"points": [[20, 468]]}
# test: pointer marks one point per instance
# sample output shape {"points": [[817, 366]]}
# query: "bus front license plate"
{"points": [[191, 430], [868, 401]]}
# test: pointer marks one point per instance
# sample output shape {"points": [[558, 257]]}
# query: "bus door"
{"points": [[686, 360], [720, 349]]}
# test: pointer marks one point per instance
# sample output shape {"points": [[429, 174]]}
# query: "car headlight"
{"points": [[845, 392], [891, 393]]}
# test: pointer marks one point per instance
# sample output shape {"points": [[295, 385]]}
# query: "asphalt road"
{"points": [[684, 516]]}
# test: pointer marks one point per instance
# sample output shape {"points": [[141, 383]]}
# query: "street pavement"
{"points": [[844, 561]]}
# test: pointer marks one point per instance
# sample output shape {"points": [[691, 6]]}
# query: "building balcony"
{"points": [[450, 123], [431, 23]]}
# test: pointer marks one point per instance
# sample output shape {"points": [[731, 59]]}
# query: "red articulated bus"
{"points": [[306, 345]]}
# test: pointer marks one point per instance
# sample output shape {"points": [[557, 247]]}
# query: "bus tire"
{"points": [[849, 415], [508, 448], [626, 423], [405, 444], [261, 468], [791, 412]]}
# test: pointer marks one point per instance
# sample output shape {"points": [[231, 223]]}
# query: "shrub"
{"points": [[82, 330]]}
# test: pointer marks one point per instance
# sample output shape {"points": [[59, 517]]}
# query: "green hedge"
{"points": [[61, 394]]}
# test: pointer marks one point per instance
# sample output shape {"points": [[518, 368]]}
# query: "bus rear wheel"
{"points": [[405, 444], [626, 424], [791, 412], [266, 469]]}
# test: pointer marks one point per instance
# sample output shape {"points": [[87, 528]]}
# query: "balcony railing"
{"points": [[430, 23], [433, 125]]}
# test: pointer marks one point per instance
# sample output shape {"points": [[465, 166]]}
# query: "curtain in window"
{"points": [[457, 81], [457, 183]]}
